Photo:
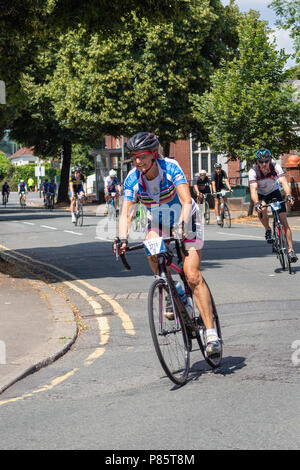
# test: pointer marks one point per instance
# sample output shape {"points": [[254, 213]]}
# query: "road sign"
{"points": [[2, 92], [39, 171]]}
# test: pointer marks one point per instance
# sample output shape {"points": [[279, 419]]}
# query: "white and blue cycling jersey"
{"points": [[162, 205], [111, 184]]}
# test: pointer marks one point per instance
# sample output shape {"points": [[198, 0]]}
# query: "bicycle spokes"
{"points": [[168, 334]]}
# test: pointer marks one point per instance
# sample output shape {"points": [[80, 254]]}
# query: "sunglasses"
{"points": [[264, 161], [140, 155]]}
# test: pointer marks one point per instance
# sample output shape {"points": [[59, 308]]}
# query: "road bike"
{"points": [[49, 201], [225, 216], [204, 205], [112, 207], [23, 200], [173, 335], [279, 243], [78, 210], [4, 199], [140, 220]]}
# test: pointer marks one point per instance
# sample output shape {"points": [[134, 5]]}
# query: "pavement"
{"points": [[37, 324]]}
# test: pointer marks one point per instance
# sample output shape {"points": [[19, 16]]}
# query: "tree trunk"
{"points": [[65, 172], [166, 148]]}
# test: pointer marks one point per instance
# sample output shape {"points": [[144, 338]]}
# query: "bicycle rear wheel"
{"points": [[169, 335], [213, 361]]}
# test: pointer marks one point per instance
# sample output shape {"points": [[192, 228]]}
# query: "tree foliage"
{"points": [[6, 167], [288, 12], [144, 77], [249, 106]]}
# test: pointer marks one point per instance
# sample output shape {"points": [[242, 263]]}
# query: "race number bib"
{"points": [[154, 246]]}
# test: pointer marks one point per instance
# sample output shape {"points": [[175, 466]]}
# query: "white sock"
{"points": [[212, 332], [218, 217]]}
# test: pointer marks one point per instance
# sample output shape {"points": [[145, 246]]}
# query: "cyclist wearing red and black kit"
{"points": [[264, 179], [161, 186]]}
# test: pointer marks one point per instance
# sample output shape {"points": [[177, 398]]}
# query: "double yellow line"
{"points": [[103, 323]]}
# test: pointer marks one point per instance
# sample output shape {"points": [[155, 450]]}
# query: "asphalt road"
{"points": [[109, 391]]}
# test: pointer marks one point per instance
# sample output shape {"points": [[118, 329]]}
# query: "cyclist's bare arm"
{"points": [[228, 184], [214, 186], [286, 187], [184, 195], [254, 196], [196, 190], [125, 221]]}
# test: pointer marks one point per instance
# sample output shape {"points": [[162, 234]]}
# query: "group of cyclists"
{"points": [[158, 181]]}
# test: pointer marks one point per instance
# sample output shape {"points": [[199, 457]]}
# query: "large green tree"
{"points": [[28, 25], [143, 77], [249, 105]]}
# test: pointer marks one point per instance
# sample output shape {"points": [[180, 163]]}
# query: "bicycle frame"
{"points": [[280, 250], [164, 262]]}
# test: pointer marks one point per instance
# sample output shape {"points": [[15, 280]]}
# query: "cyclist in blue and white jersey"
{"points": [[22, 189], [44, 187], [112, 185], [52, 188], [264, 179], [161, 186]]}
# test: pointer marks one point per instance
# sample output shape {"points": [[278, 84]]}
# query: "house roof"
{"points": [[24, 151]]}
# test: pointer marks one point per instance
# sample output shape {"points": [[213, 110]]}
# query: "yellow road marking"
{"points": [[103, 324], [52, 384], [124, 317]]}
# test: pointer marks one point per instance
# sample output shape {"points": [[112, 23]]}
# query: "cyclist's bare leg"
{"points": [[264, 217], [153, 260], [191, 267], [217, 207], [72, 205], [288, 232]]}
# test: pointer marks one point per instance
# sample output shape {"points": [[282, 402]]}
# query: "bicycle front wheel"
{"points": [[284, 250], [226, 218], [207, 213], [79, 216], [278, 243], [168, 334]]}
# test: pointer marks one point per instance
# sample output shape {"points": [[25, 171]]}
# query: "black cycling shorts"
{"points": [[273, 195]]}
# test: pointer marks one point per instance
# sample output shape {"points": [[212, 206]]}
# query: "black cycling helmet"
{"points": [[218, 165], [263, 155], [142, 141], [77, 169]]}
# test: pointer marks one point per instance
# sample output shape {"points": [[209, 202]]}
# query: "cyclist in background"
{"points": [[219, 181], [52, 189], [112, 185], [78, 187], [162, 187], [202, 186], [5, 190], [22, 190], [264, 179], [45, 185]]}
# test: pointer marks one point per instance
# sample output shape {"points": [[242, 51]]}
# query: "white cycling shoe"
{"points": [[213, 346]]}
